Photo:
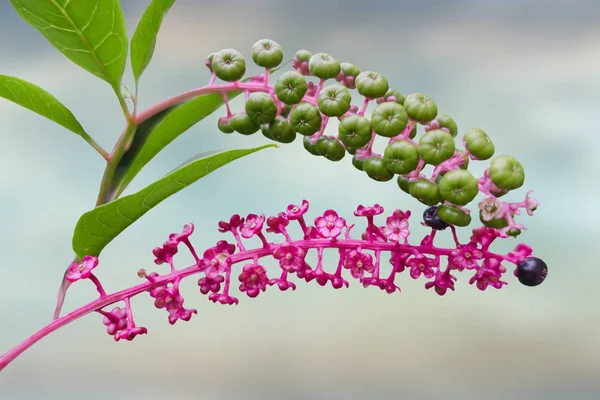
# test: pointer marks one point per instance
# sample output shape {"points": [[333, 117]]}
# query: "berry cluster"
{"points": [[360, 258], [296, 105]]}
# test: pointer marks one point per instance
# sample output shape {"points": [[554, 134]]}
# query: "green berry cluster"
{"points": [[295, 104]]}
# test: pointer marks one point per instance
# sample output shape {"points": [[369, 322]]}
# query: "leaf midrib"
{"points": [[84, 40]]}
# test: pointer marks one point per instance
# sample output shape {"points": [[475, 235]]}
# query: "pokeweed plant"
{"points": [[303, 101]]}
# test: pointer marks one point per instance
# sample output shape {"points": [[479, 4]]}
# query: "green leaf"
{"points": [[156, 133], [91, 33], [144, 38], [38, 100], [98, 227]]}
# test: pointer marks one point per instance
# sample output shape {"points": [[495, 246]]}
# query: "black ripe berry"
{"points": [[432, 220], [532, 271]]}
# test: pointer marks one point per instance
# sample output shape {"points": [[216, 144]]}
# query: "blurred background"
{"points": [[527, 72]]}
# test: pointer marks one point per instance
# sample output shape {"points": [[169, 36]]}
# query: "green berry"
{"points": [[479, 144], [425, 191], [507, 173], [334, 100], [303, 55], [459, 187], [413, 132], [324, 66], [280, 130], [209, 61], [371, 84], [401, 156], [229, 65], [350, 69], [261, 108], [497, 223], [420, 107], [436, 146], [514, 232], [306, 119], [453, 215], [404, 183], [310, 146], [241, 123], [394, 95], [446, 121], [376, 169], [290, 87], [389, 119], [267, 54], [351, 151], [224, 125], [358, 164], [354, 131], [330, 148]]}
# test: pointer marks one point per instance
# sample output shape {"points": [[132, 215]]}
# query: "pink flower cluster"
{"points": [[360, 258]]}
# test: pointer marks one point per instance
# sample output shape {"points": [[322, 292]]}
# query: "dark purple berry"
{"points": [[432, 220], [532, 271]]}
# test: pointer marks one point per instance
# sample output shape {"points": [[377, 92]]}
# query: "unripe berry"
{"points": [[267, 53], [420, 107], [290, 87], [306, 119], [389, 119], [280, 130], [507, 173], [334, 100], [224, 125], [310, 146], [261, 108], [348, 74], [425, 191], [392, 95], [453, 215], [229, 65], [376, 169], [371, 84], [436, 146], [354, 131], [446, 121], [324, 66], [242, 124], [479, 144], [401, 157], [432, 220], [459, 187], [330, 148]]}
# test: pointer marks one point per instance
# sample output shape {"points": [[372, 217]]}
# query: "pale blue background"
{"points": [[527, 72]]}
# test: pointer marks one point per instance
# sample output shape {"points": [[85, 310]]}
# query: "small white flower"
{"points": [[491, 208], [530, 203]]}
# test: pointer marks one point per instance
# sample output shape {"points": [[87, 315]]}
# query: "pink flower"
{"points": [[306, 273], [294, 212], [487, 277], [184, 314], [283, 284], [176, 238], [224, 299], [358, 262], [165, 253], [373, 281], [396, 229], [362, 211], [214, 261], [531, 204], [484, 236], [116, 320], [253, 279], [253, 225], [130, 333], [234, 222], [421, 265], [520, 252], [83, 270], [465, 256], [291, 257], [441, 283], [277, 224], [330, 225], [168, 298], [210, 284]]}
